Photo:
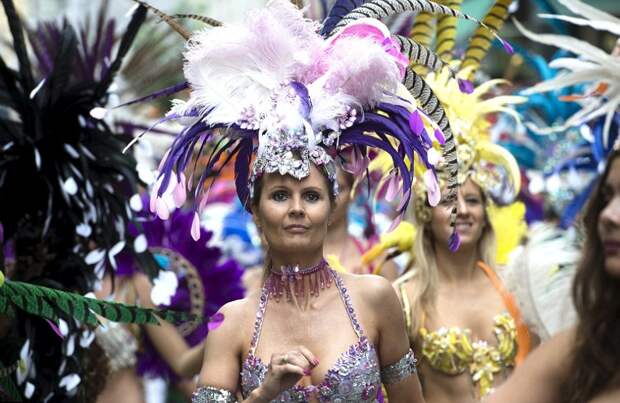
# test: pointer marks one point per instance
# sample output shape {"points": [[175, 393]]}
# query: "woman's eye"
{"points": [[312, 196], [279, 195], [473, 201]]}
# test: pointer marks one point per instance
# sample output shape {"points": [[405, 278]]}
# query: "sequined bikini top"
{"points": [[452, 351], [355, 377]]}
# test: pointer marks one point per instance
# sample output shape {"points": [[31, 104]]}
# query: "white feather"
{"points": [[587, 11], [229, 65], [565, 80], [577, 46], [613, 27]]}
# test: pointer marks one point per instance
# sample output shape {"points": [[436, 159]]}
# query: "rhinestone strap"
{"points": [[344, 294], [210, 394], [400, 370], [260, 315]]}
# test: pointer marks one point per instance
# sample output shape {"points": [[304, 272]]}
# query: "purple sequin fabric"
{"points": [[355, 376]]}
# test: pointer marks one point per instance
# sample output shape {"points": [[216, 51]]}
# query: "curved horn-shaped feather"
{"points": [[166, 18], [207, 20], [422, 33], [446, 30], [482, 38], [423, 27]]}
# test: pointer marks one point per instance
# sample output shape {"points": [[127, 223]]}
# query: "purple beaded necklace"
{"points": [[291, 280]]}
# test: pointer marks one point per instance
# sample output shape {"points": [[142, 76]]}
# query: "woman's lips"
{"points": [[612, 248], [296, 228]]}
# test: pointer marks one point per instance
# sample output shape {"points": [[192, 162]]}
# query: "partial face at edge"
{"points": [[609, 220], [292, 214], [471, 219]]}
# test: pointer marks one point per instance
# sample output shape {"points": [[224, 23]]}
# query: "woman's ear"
{"points": [[256, 218], [330, 216]]}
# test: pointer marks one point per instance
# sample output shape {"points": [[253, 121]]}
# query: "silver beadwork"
{"points": [[210, 394], [400, 370]]}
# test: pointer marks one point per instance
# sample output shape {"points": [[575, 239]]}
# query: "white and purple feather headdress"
{"points": [[282, 90]]}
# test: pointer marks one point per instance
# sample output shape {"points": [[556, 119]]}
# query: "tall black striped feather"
{"points": [[167, 19], [202, 18]]}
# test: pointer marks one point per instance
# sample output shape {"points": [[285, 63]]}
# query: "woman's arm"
{"points": [[539, 379], [219, 376], [401, 384], [167, 340]]}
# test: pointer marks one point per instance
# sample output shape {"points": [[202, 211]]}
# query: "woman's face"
{"points": [[470, 220], [293, 215], [609, 220]]}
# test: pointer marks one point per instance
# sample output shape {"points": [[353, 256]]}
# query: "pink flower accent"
{"points": [[432, 187], [380, 34], [179, 194], [196, 227], [162, 209]]}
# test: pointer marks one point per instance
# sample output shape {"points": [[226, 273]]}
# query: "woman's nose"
{"points": [[462, 206], [296, 208], [610, 216]]}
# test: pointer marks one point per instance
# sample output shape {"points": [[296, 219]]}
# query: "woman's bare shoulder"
{"points": [[371, 285]]}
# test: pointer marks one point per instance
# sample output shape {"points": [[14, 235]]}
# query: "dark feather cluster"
{"points": [[64, 181]]}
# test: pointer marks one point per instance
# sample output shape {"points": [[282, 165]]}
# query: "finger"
{"points": [[289, 369], [298, 359], [278, 359], [312, 359]]}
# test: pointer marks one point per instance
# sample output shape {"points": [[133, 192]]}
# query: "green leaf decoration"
{"points": [[49, 303]]}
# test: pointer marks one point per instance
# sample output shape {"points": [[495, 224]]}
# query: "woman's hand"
{"points": [[285, 370]]}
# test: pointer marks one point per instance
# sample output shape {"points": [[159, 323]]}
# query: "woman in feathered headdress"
{"points": [[460, 318], [275, 95]]}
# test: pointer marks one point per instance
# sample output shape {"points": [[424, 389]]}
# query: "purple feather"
{"points": [[304, 96], [454, 242], [465, 86]]}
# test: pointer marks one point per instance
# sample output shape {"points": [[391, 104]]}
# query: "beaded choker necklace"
{"points": [[291, 280]]}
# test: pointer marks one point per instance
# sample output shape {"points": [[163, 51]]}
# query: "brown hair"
{"points": [[596, 294]]}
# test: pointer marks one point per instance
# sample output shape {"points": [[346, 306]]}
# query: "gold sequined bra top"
{"points": [[452, 350]]}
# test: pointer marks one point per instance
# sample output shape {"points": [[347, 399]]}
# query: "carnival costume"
{"points": [[451, 350], [64, 185], [277, 96]]}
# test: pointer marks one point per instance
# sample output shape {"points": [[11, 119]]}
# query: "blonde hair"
{"points": [[424, 271]]}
